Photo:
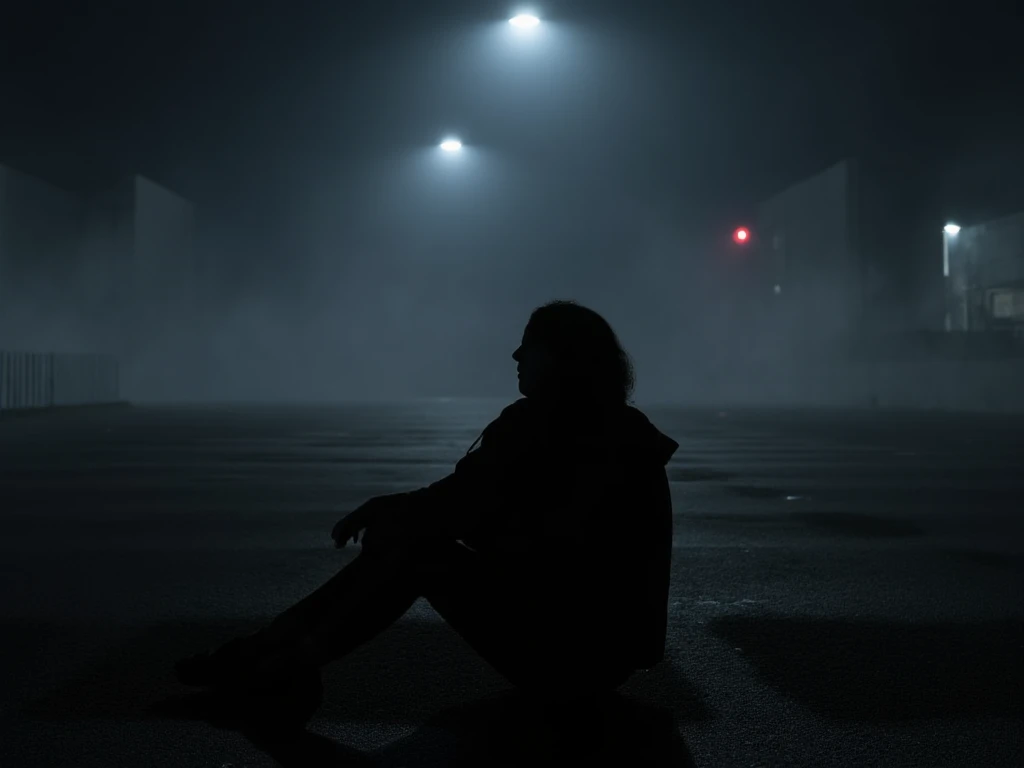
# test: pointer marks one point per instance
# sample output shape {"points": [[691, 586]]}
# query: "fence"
{"points": [[31, 380]]}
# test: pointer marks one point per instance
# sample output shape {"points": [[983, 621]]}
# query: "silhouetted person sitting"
{"points": [[547, 549]]}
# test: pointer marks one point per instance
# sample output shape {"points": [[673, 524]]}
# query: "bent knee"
{"points": [[412, 544]]}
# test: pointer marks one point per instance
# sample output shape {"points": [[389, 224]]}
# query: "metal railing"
{"points": [[44, 380]]}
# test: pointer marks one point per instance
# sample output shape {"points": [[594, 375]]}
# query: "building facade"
{"points": [[986, 277], [92, 273], [856, 253], [141, 242], [40, 227], [807, 253]]}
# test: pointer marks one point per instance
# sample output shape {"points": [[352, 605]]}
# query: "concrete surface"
{"points": [[848, 590]]}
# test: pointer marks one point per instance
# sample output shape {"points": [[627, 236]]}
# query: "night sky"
{"points": [[629, 136]]}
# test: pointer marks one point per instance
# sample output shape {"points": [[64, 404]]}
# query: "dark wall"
{"points": [[39, 227], [806, 242]]}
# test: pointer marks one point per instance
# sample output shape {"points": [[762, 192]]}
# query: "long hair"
{"points": [[590, 355]]}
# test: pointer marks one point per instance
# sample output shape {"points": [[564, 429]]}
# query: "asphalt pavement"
{"points": [[848, 590]]}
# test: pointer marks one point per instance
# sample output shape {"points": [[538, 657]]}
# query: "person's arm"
{"points": [[643, 583], [456, 505]]}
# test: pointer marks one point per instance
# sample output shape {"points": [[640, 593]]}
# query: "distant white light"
{"points": [[451, 145], [778, 289], [524, 21], [951, 229]]}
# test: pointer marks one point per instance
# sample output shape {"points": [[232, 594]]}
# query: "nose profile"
{"points": [[515, 355]]}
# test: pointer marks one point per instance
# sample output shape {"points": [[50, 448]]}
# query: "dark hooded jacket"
{"points": [[578, 497]]}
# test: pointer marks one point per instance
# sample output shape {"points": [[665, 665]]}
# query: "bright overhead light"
{"points": [[451, 145], [951, 229], [524, 21]]}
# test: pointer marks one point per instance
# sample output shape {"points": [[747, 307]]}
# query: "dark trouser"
{"points": [[508, 618]]}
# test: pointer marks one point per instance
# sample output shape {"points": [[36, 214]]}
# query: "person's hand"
{"points": [[350, 526]]}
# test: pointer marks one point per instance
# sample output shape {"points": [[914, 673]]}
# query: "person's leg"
{"points": [[364, 598], [495, 610], [305, 615], [540, 645]]}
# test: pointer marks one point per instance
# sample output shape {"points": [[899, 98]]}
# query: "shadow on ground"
{"points": [[857, 524], [404, 675], [879, 671], [1007, 561], [832, 523], [502, 729], [419, 674]]}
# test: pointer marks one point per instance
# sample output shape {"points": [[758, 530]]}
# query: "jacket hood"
{"points": [[641, 438], [624, 427]]}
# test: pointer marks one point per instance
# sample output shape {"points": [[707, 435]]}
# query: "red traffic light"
{"points": [[741, 235]]}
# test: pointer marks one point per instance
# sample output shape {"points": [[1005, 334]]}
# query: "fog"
{"points": [[338, 255], [431, 312], [401, 318]]}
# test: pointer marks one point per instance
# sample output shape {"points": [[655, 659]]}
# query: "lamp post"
{"points": [[950, 231]]}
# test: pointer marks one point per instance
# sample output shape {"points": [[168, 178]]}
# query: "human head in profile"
{"points": [[510, 548], [570, 354]]}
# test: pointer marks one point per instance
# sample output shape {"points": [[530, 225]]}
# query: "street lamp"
{"points": [[451, 145], [524, 21], [949, 231]]}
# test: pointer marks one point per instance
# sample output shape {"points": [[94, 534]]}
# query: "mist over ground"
{"points": [[364, 312], [337, 254], [408, 315]]}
